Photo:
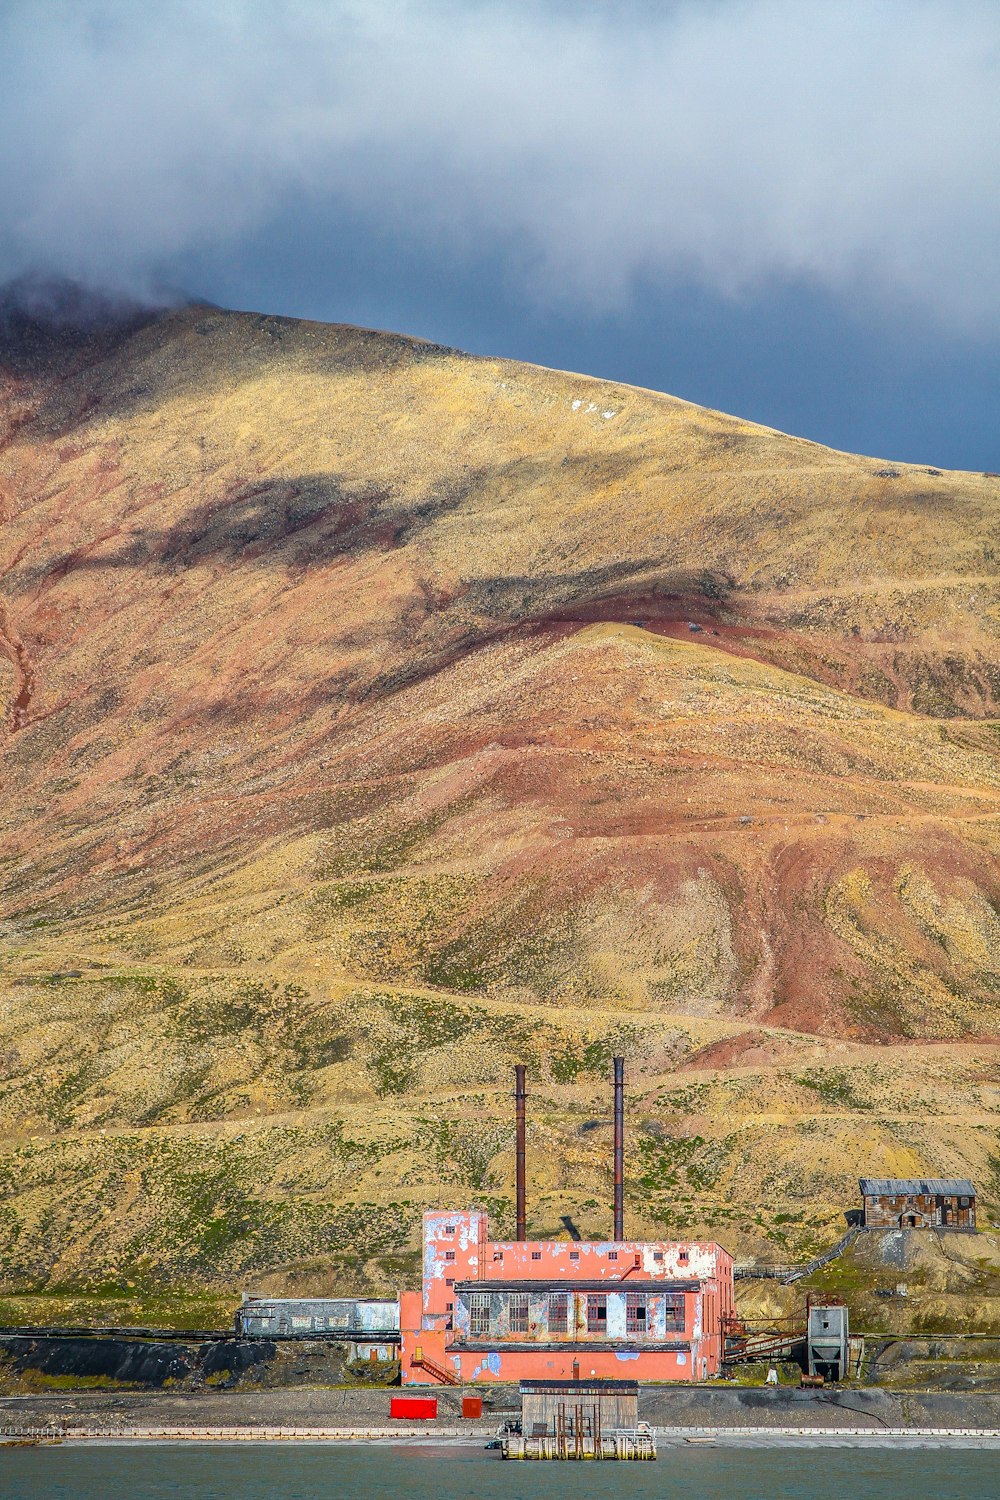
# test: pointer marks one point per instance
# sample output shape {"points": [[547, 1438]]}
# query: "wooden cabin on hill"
{"points": [[918, 1203]]}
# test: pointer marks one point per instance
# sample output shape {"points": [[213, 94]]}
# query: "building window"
{"points": [[658, 1256], [597, 1312], [612, 1255], [674, 1309], [479, 1314], [574, 1255], [559, 1312], [449, 1255], [536, 1255], [449, 1229], [964, 1202], [517, 1312], [449, 1307], [498, 1255], [683, 1257], [635, 1312]]}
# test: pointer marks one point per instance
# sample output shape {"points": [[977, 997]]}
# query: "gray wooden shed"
{"points": [[587, 1407]]}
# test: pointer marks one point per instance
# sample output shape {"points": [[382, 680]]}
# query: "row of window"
{"points": [[658, 1255], [682, 1256], [899, 1200], [264, 1322], [485, 1308]]}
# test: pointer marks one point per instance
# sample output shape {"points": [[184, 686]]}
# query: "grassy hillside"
{"points": [[376, 716]]}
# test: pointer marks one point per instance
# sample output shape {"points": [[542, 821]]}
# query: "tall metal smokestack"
{"points": [[519, 1096], [619, 1149]]}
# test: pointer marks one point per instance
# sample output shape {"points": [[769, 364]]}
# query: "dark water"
{"points": [[429, 1473]]}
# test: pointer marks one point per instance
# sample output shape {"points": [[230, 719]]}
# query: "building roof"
{"points": [[284, 1302], [540, 1387], [562, 1284], [949, 1187]]}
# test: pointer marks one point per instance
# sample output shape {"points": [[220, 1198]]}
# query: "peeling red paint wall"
{"points": [[512, 1310]]}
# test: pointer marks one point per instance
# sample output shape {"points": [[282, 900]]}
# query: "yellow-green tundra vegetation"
{"points": [[377, 717]]}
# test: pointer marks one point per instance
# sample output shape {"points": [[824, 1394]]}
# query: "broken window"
{"points": [[635, 1312], [517, 1312], [559, 1312], [674, 1309], [597, 1312], [479, 1314]]}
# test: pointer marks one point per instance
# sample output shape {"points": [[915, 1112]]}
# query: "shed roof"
{"points": [[545, 1387], [949, 1187]]}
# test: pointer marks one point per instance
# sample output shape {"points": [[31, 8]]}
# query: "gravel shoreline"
{"points": [[688, 1410], [675, 1437]]}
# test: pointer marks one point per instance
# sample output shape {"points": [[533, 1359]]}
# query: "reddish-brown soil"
{"points": [[343, 662]]}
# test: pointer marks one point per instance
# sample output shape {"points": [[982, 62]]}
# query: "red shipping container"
{"points": [[415, 1408], [472, 1406]]}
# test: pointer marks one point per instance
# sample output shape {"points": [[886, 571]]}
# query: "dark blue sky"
{"points": [[787, 209]]}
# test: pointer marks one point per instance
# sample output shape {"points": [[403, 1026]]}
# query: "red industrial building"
{"points": [[518, 1309], [555, 1309]]}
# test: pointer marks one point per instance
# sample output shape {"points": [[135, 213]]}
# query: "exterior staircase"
{"points": [[821, 1260], [421, 1362], [747, 1271]]}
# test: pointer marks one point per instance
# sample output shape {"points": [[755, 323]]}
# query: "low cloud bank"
{"points": [[853, 145]]}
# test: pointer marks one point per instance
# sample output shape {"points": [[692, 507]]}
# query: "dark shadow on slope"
{"points": [[293, 523], [49, 326], [310, 519]]}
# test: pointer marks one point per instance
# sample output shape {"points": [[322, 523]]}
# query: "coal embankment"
{"points": [[694, 1406], [30, 1361]]}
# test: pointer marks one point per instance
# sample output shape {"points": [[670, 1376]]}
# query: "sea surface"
{"points": [[289, 1472]]}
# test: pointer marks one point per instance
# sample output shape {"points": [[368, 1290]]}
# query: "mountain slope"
{"points": [[351, 679]]}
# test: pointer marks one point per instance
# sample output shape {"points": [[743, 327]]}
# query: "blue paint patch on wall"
{"points": [[493, 1363], [626, 1354]]}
